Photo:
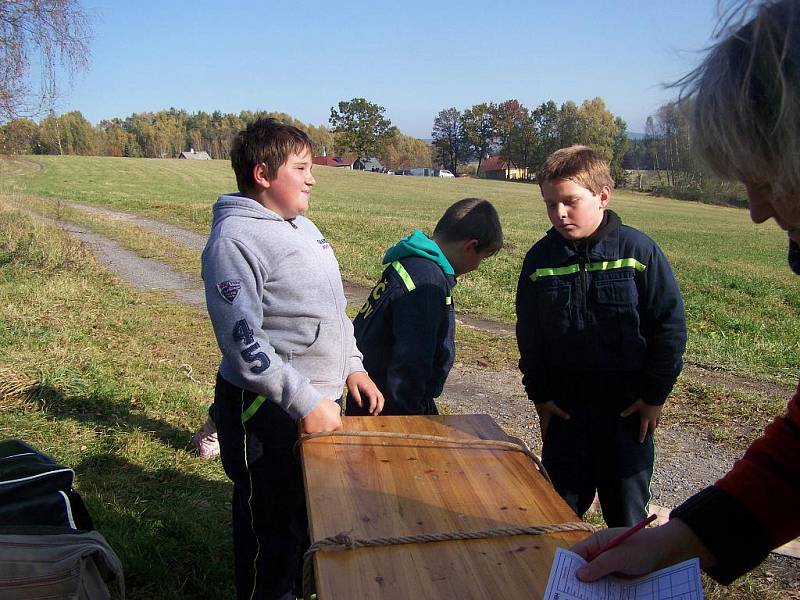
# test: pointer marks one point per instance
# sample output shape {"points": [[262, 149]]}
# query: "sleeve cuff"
{"points": [[655, 393], [304, 402], [731, 532], [356, 364]]}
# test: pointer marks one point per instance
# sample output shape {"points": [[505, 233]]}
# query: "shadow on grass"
{"points": [[167, 515], [104, 408], [171, 529]]}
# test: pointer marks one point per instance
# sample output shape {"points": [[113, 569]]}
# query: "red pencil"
{"points": [[621, 538]]}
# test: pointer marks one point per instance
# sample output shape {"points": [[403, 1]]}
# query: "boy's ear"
{"points": [[471, 245], [605, 196], [260, 176]]}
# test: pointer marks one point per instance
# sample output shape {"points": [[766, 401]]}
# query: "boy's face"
{"points": [[467, 258], [785, 211], [575, 211], [289, 192]]}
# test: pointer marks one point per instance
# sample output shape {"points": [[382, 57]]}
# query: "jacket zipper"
{"points": [[585, 287]]}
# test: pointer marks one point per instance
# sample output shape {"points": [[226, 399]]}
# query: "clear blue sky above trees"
{"points": [[414, 58]]}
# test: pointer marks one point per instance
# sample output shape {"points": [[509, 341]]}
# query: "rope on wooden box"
{"points": [[343, 541], [516, 445]]}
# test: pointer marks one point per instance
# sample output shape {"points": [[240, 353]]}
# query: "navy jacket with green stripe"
{"points": [[406, 329], [605, 306]]}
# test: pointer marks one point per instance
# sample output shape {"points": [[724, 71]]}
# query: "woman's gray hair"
{"points": [[746, 97]]}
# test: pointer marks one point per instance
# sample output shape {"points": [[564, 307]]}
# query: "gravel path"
{"points": [[686, 460]]}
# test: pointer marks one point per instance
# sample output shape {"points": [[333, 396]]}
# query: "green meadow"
{"points": [[96, 376], [741, 299]]}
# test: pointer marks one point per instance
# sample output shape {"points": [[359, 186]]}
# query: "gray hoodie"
{"points": [[274, 294]]}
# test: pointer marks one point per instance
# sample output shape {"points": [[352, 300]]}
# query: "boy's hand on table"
{"points": [[326, 416], [546, 410], [362, 388], [649, 416]]}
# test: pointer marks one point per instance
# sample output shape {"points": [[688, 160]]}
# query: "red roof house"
{"points": [[497, 167]]}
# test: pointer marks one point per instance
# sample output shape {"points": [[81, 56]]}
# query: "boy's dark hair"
{"points": [[267, 141], [471, 219], [580, 164]]}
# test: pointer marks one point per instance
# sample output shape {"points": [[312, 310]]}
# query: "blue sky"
{"points": [[413, 58]]}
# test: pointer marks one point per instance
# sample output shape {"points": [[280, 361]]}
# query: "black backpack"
{"points": [[48, 546]]}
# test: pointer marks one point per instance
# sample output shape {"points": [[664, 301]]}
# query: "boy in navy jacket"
{"points": [[601, 333], [406, 328]]}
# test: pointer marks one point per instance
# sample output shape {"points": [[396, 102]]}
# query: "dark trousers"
{"points": [[426, 406], [270, 526], [596, 450]]}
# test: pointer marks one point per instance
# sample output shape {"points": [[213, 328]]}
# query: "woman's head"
{"points": [[746, 96]]}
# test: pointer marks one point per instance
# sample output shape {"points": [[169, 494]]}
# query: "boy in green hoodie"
{"points": [[406, 328]]}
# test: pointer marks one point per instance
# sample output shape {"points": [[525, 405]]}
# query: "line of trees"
{"points": [[360, 129], [163, 134], [666, 151], [527, 136]]}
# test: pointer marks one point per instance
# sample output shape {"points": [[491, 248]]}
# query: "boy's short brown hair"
{"points": [[471, 219], [267, 141], [580, 164]]}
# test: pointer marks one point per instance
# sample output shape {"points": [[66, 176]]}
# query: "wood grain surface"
{"points": [[373, 487]]}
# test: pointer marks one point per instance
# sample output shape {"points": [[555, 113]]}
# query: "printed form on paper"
{"points": [[678, 582]]}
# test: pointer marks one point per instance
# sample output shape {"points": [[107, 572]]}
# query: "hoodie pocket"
{"points": [[320, 361], [300, 347]]}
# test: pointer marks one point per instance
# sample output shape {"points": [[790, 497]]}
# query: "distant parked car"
{"points": [[443, 173]]}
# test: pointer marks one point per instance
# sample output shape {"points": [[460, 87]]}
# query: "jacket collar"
{"points": [[603, 244]]}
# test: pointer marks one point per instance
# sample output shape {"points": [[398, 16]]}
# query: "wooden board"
{"points": [[373, 487]]}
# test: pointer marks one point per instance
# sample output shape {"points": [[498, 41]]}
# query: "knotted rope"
{"points": [[343, 541]]}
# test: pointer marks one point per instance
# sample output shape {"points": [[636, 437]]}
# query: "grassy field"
{"points": [[102, 386], [742, 302], [113, 382]]}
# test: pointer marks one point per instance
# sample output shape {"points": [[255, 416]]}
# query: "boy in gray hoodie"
{"points": [[275, 297]]}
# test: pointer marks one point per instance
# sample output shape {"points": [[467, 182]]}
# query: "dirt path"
{"points": [[356, 294], [139, 273]]}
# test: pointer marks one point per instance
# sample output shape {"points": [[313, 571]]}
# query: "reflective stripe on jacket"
{"points": [[406, 332]]}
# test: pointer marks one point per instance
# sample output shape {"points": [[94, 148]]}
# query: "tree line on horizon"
{"points": [[167, 133], [162, 134], [525, 137], [359, 129], [666, 151]]}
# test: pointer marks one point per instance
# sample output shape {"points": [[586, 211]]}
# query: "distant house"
{"points": [[368, 164], [192, 155], [497, 167], [332, 161]]}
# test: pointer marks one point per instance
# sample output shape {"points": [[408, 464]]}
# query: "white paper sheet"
{"points": [[678, 582]]}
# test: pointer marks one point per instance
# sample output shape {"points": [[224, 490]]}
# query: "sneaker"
{"points": [[206, 442]]}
